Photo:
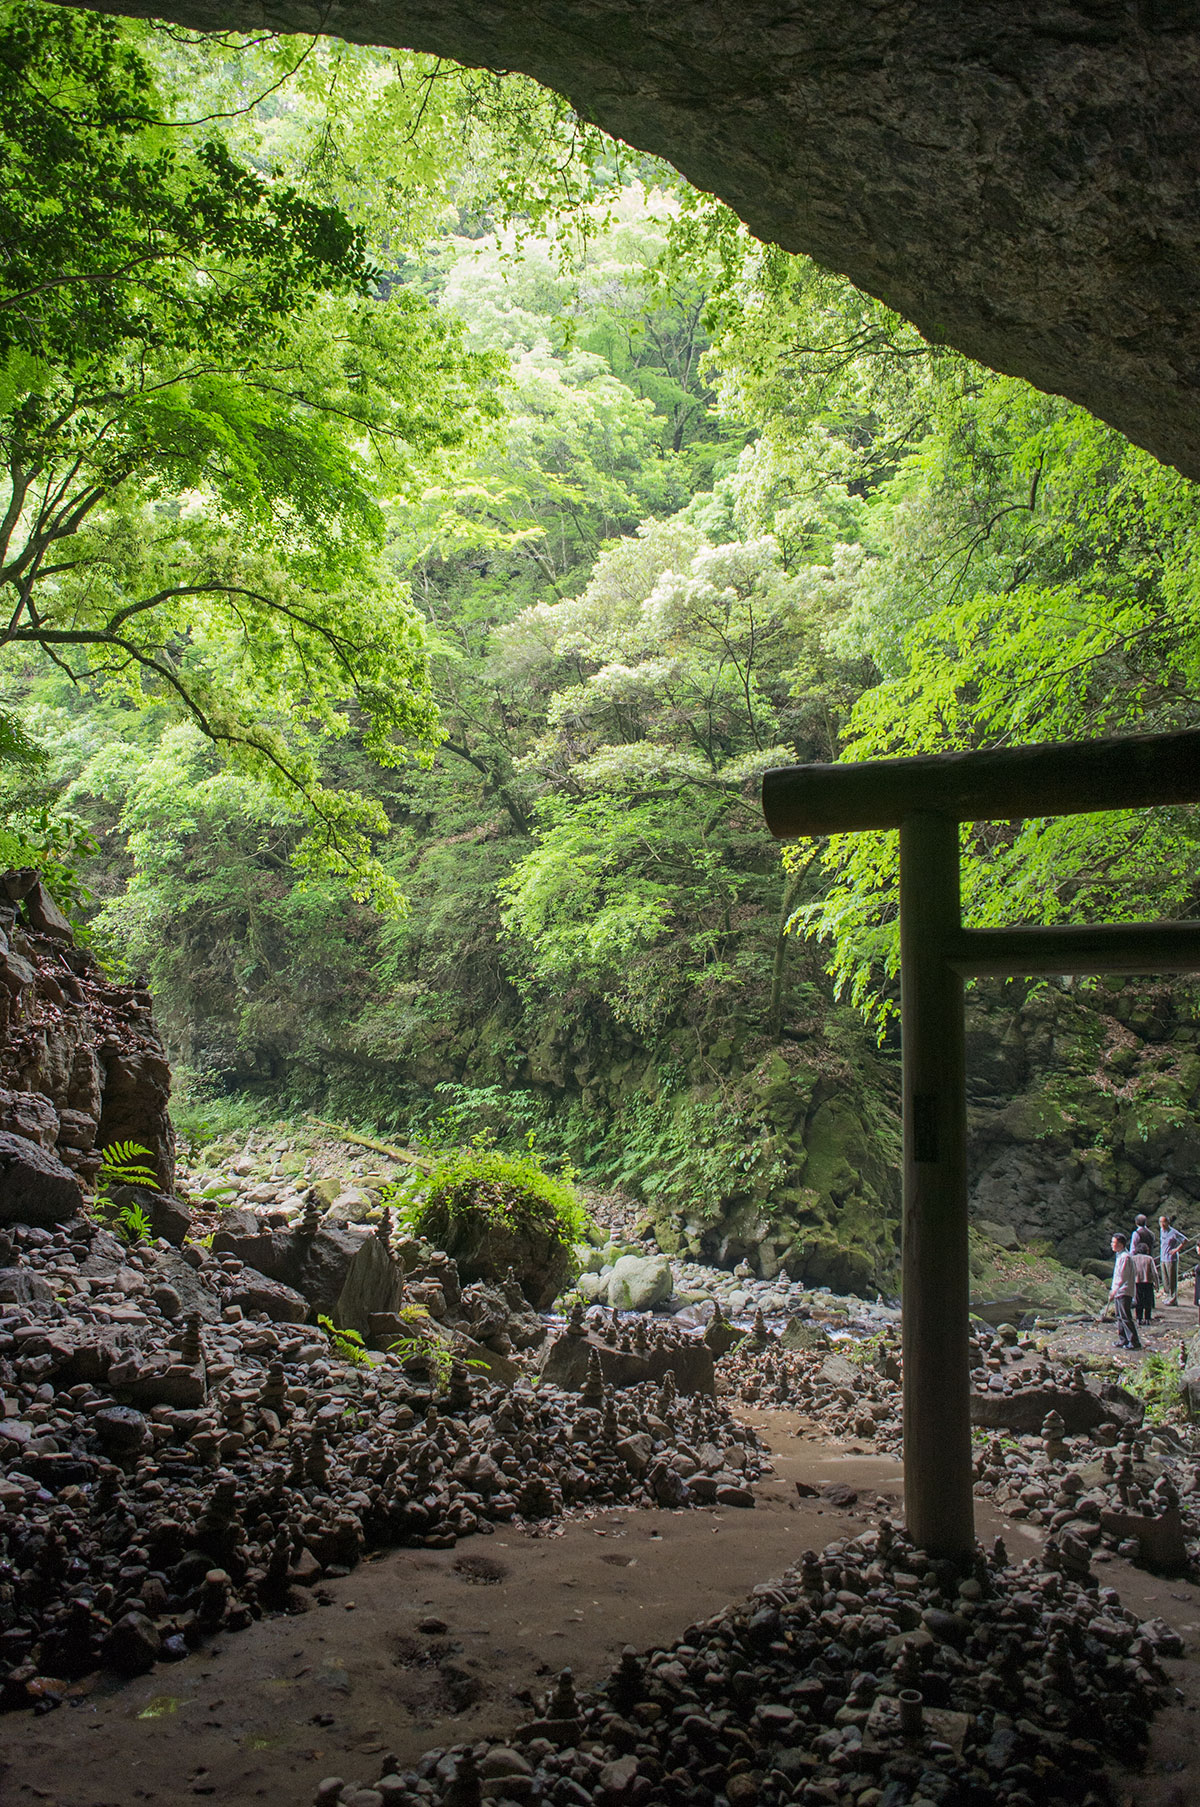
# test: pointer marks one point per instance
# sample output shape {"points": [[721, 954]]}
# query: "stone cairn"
{"points": [[259, 1463], [1102, 1490], [867, 1674]]}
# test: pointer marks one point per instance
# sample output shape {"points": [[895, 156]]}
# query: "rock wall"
{"points": [[81, 1064], [1083, 1110]]}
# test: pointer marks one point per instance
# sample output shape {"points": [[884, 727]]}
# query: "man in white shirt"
{"points": [[1121, 1294]]}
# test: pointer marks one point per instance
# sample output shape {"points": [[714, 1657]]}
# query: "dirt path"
{"points": [[423, 1648]]}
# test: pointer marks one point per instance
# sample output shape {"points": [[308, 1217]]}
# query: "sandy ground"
{"points": [[424, 1648]]}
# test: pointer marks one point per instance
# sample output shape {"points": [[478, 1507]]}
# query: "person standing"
{"points": [[1145, 1275], [1170, 1241], [1121, 1293], [1141, 1242], [1196, 1287]]}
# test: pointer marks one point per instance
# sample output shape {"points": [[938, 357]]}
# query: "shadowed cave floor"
{"points": [[423, 1648]]}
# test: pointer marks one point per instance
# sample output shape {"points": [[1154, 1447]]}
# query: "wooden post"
{"points": [[926, 798], [936, 1277]]}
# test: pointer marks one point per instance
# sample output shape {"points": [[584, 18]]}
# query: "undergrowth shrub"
{"points": [[685, 1153], [1158, 1383]]}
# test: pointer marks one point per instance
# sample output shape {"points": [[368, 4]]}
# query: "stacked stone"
{"points": [[853, 1400], [198, 1467], [868, 1674], [1110, 1491]]}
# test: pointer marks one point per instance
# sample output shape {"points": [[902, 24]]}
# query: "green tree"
{"points": [[202, 405], [671, 694]]}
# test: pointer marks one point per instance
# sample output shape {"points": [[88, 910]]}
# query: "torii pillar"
{"points": [[926, 798]]}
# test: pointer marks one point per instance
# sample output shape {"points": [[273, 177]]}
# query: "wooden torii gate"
{"points": [[926, 798]]}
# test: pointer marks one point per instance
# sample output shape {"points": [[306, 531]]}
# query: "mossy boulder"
{"points": [[492, 1212]]}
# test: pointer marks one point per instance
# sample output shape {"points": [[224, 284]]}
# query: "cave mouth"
{"points": [[1019, 185]]}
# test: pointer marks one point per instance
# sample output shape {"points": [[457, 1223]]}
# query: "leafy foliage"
{"points": [[347, 1343], [483, 552], [203, 401], [124, 1164]]}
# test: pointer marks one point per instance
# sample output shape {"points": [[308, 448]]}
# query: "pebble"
{"points": [[132, 1533]]}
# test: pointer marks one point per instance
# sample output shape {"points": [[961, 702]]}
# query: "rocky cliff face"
{"points": [[81, 1064], [1084, 1110]]}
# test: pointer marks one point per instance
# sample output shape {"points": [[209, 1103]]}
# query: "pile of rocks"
{"points": [[1064, 1450], [1107, 1493], [624, 1353], [81, 1065], [853, 1400], [868, 1674], [170, 1465], [740, 1293]]}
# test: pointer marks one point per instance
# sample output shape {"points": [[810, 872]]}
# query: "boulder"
{"points": [[175, 1385], [343, 1274], [29, 1114], [137, 1085], [1002, 1234], [564, 1364], [836, 1371], [43, 914], [122, 1430], [1002, 1311], [721, 1336], [484, 1248], [1025, 1409], [640, 1282], [173, 1270], [133, 1645], [1160, 1540], [237, 1221], [371, 1282], [76, 1130], [1123, 1405], [798, 1333], [35, 1187], [169, 1217], [636, 1452], [254, 1292], [491, 1311], [593, 1288], [20, 1286]]}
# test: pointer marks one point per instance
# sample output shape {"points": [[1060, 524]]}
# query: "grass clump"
{"points": [[1158, 1383]]}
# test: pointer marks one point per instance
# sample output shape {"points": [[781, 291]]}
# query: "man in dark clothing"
{"points": [[1121, 1294], [1142, 1241]]}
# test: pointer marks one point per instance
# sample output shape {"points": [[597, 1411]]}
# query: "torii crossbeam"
{"points": [[926, 798]]}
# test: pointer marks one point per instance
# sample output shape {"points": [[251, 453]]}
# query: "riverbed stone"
{"points": [[640, 1282]]}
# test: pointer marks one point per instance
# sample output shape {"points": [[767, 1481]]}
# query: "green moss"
{"points": [[512, 1191]]}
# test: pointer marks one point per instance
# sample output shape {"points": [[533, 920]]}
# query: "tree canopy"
{"points": [[205, 404]]}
